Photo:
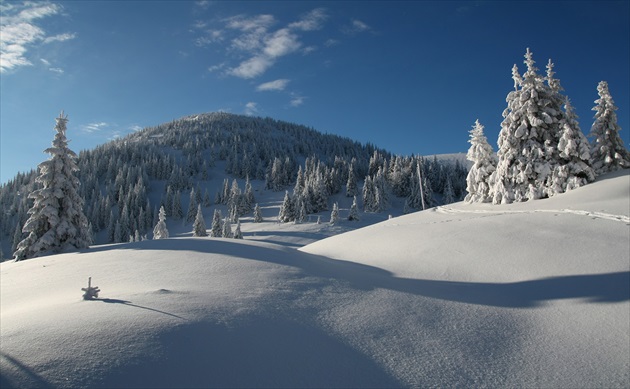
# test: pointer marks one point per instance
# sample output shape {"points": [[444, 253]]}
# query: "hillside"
{"points": [[125, 181], [532, 294]]}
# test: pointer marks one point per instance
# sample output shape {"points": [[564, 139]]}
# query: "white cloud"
{"points": [[255, 43], [204, 4], [276, 85], [215, 68], [296, 101], [56, 70], [19, 33], [94, 127], [255, 23], [281, 43], [355, 27], [135, 128], [251, 108], [252, 67], [311, 21], [37, 11], [59, 38]]}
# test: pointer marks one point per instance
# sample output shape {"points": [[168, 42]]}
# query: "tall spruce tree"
{"points": [[334, 214], [528, 141], [56, 221], [160, 231], [258, 218], [217, 225], [608, 152], [354, 210], [484, 164], [199, 226]]}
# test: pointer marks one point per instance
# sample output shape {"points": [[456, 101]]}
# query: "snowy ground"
{"points": [[534, 294]]}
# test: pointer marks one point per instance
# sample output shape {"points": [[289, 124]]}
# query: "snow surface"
{"points": [[532, 294]]}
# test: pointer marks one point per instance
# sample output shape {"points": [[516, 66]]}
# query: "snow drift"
{"points": [[532, 294]]}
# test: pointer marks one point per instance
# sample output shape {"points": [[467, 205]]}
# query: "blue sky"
{"points": [[411, 77]]}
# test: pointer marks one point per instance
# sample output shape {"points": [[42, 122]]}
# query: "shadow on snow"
{"points": [[593, 288]]}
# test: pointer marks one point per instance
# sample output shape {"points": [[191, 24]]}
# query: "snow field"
{"points": [[460, 296]]}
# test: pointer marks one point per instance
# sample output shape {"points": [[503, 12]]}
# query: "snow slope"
{"points": [[527, 295]]}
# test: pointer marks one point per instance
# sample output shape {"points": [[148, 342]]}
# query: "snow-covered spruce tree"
{"points": [[449, 194], [216, 230], [484, 164], [300, 209], [258, 218], [574, 169], [351, 183], [227, 228], [199, 226], [287, 209], [354, 210], [160, 231], [528, 142], [192, 206], [177, 212], [608, 152], [237, 232], [334, 214], [56, 221]]}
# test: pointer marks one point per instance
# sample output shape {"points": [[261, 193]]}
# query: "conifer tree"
{"points": [[56, 221], [217, 226], [160, 231], [258, 218], [249, 197], [528, 142], [206, 199], [575, 158], [351, 183], [237, 232], [334, 214], [481, 155], [227, 228], [287, 209], [192, 206], [177, 211], [608, 152], [449, 194], [199, 226], [354, 210]]}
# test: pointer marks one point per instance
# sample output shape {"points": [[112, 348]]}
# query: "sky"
{"points": [[411, 76]]}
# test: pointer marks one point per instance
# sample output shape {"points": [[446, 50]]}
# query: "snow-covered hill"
{"points": [[533, 294]]}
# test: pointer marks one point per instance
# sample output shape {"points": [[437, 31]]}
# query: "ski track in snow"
{"points": [[597, 215]]}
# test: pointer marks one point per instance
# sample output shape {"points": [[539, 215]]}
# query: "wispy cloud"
{"points": [[356, 26], [296, 101], [93, 127], [252, 67], [215, 68], [251, 108], [276, 85], [59, 38], [313, 20], [19, 32], [204, 4], [256, 42], [108, 130]]}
